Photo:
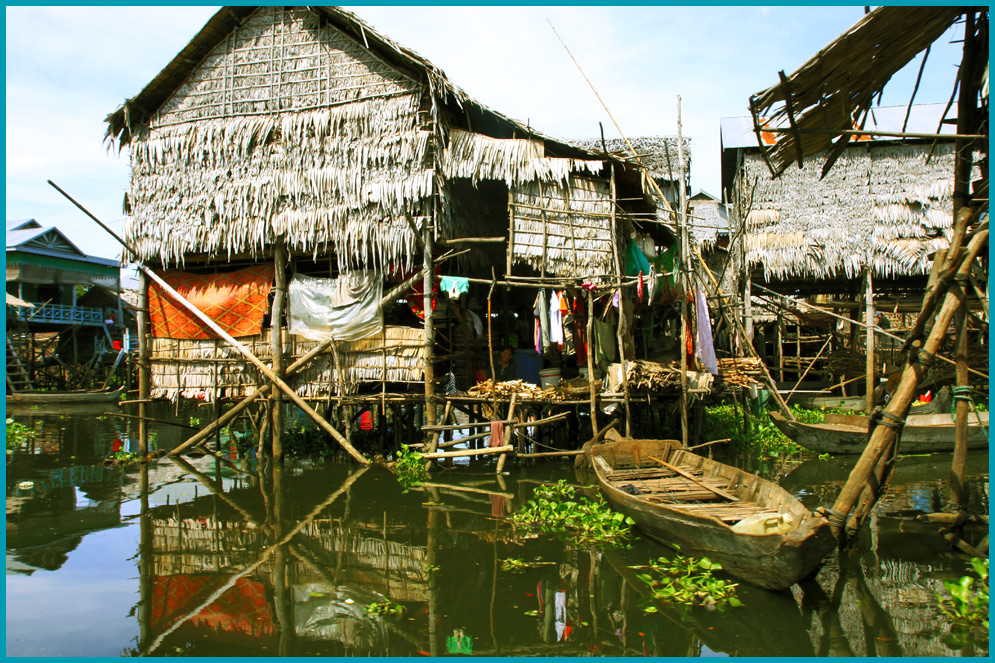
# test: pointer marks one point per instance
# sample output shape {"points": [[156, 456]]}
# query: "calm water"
{"points": [[208, 557]]}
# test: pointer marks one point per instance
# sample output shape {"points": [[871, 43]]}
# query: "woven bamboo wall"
{"points": [[286, 129], [568, 228], [887, 204], [189, 367]]}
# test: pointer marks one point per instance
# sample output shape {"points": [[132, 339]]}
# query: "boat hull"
{"points": [[64, 397], [847, 434], [773, 561]]}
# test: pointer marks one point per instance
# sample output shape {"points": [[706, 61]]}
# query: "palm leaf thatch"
{"points": [[835, 88], [884, 206]]}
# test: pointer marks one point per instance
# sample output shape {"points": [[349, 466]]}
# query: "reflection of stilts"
{"points": [[834, 641], [879, 633], [263, 557]]}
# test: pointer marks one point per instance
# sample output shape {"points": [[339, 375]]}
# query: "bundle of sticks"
{"points": [[740, 371], [646, 375], [525, 390]]}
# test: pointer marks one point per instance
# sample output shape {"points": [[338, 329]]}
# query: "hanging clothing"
{"points": [[635, 260], [454, 286], [478, 324], [555, 319], [542, 323], [346, 308], [497, 434], [604, 343], [703, 340]]}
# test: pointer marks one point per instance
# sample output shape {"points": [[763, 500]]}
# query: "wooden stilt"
{"points": [[869, 345], [429, 326], [144, 371], [276, 335]]}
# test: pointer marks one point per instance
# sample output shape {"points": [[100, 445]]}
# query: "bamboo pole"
{"points": [[276, 336], [684, 260], [213, 326], [144, 370], [869, 345], [592, 385], [958, 488], [462, 453], [429, 326], [809, 367]]}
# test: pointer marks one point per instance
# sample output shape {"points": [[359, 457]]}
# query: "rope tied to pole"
{"points": [[966, 393]]}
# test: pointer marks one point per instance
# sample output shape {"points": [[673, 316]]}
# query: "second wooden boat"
{"points": [[64, 397], [848, 433], [758, 531]]}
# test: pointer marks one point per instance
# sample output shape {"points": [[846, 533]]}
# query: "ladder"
{"points": [[18, 378]]}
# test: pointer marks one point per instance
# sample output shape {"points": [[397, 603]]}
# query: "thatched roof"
{"points": [[886, 206], [658, 154], [836, 87], [140, 108], [305, 124]]}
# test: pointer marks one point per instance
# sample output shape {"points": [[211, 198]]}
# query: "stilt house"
{"points": [[849, 219], [299, 144]]}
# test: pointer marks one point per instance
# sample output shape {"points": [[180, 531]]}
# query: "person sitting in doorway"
{"points": [[109, 322], [506, 367]]}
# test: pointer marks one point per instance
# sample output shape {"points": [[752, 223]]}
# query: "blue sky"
{"points": [[69, 67]]}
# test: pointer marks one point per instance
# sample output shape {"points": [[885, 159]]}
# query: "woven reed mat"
{"points": [[236, 301]]}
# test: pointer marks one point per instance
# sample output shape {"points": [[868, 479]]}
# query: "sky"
{"points": [[69, 67]]}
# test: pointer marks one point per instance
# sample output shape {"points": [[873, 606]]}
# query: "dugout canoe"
{"points": [[64, 397], [696, 503], [848, 433]]}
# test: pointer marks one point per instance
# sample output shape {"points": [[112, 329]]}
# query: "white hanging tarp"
{"points": [[346, 308]]}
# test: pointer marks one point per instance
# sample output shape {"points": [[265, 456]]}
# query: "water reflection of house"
{"points": [[48, 515], [334, 571]]}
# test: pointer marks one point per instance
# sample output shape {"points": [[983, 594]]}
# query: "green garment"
{"points": [[635, 261], [604, 343], [458, 643], [666, 264]]}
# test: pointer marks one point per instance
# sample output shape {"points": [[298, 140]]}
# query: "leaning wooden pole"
{"points": [[884, 435], [213, 326]]}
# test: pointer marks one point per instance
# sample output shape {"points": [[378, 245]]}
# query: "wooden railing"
{"points": [[59, 314]]}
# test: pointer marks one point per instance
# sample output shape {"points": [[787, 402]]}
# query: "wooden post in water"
{"points": [[966, 121], [276, 333], [429, 327], [620, 271], [869, 345], [592, 385], [684, 262], [958, 488], [144, 368]]}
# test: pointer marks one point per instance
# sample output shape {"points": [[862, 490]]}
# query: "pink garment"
{"points": [[497, 434]]}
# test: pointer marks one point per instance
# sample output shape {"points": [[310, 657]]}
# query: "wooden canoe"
{"points": [[693, 513], [848, 433], [64, 397]]}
